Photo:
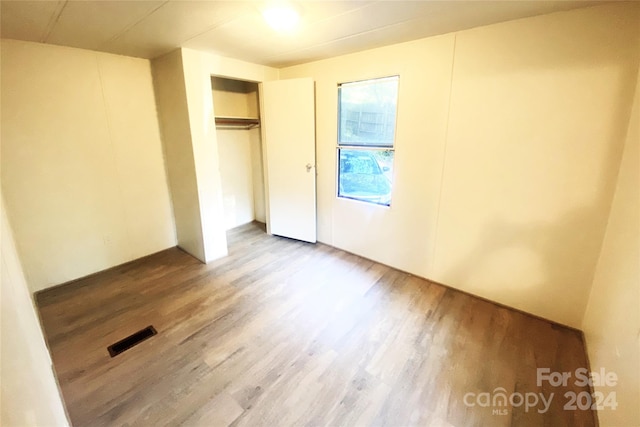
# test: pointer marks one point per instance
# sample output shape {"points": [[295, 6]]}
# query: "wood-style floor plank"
{"points": [[288, 333]]}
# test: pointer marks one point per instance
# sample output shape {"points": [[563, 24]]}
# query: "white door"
{"points": [[289, 136]]}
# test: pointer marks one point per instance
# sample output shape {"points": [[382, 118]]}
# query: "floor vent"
{"points": [[132, 340]]}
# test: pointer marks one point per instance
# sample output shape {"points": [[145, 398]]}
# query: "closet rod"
{"points": [[236, 123]]}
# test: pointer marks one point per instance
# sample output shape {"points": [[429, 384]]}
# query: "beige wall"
{"points": [[612, 319], [173, 114], [508, 143], [235, 98], [205, 152], [29, 395], [213, 65], [257, 175], [234, 147], [82, 167], [183, 85], [240, 152], [400, 235]]}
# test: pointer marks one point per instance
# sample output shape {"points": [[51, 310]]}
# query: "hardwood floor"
{"points": [[284, 333]]}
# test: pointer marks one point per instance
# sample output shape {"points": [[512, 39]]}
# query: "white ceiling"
{"points": [[148, 29]]}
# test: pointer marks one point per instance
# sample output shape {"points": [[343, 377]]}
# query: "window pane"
{"points": [[367, 112], [365, 175]]}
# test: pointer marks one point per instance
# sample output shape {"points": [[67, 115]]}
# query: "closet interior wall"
{"points": [[240, 151]]}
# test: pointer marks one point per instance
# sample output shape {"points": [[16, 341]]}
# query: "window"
{"points": [[366, 134]]}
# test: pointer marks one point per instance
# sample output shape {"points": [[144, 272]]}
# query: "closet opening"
{"points": [[237, 117]]}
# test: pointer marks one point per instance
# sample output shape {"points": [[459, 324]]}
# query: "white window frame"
{"points": [[363, 146]]}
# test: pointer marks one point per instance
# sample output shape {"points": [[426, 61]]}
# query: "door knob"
{"points": [[309, 166]]}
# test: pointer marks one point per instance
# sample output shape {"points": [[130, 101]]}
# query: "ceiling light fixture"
{"points": [[281, 17]]}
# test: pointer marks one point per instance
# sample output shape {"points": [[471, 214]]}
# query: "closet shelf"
{"points": [[237, 122]]}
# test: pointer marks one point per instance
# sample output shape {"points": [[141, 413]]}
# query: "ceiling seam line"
{"points": [[222, 24], [343, 38], [55, 17], [128, 28]]}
